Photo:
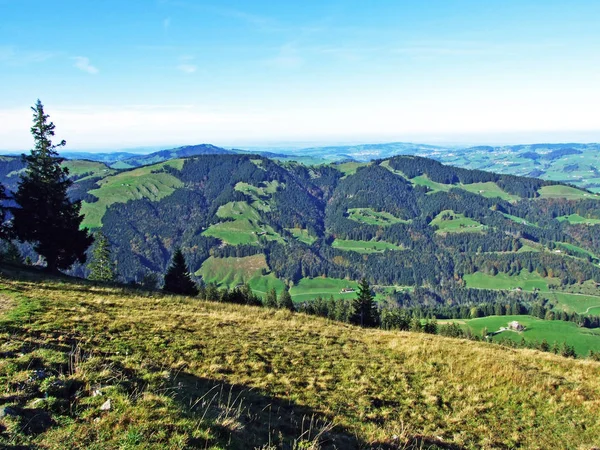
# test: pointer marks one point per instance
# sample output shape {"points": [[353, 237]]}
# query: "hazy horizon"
{"points": [[118, 75]]}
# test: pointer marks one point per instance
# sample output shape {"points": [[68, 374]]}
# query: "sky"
{"points": [[117, 74]]}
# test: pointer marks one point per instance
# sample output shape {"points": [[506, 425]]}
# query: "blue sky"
{"points": [[118, 74]]}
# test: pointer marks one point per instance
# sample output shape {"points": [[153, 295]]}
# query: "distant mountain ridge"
{"points": [[173, 153]]}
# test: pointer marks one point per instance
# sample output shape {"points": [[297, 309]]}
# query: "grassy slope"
{"points": [[169, 365], [567, 192], [364, 246], [581, 302], [372, 217], [458, 224], [130, 185], [577, 219], [582, 339], [525, 280], [230, 272]]}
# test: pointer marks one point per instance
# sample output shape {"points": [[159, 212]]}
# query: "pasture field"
{"points": [[488, 190], [302, 235], [449, 222], [372, 217], [242, 231], [79, 167], [518, 220], [130, 185], [349, 168], [238, 210], [525, 280], [568, 192], [423, 180], [582, 339], [231, 272], [310, 288], [576, 219], [364, 246]]}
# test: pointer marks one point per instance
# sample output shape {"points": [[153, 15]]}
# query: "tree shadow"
{"points": [[243, 417]]}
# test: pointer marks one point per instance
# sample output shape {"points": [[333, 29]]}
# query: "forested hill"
{"points": [[403, 222]]}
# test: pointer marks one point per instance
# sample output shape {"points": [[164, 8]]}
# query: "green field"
{"points": [[78, 167], [302, 235], [577, 219], [238, 210], [579, 303], [525, 280], [130, 185], [568, 192], [260, 195], [449, 222], [489, 190], [349, 168], [577, 251], [364, 246], [372, 217], [518, 220], [232, 272], [242, 231], [310, 288], [423, 180], [582, 339]]}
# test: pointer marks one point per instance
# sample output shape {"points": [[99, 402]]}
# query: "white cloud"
{"points": [[83, 64], [187, 68]]}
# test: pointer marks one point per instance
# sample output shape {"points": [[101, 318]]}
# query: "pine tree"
{"points": [[102, 267], [177, 278], [271, 299], [46, 217], [285, 301], [4, 231], [364, 308]]}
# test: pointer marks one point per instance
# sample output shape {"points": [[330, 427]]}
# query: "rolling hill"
{"points": [[421, 232]]}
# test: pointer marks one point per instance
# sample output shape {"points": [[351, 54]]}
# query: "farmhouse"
{"points": [[346, 290], [515, 326]]}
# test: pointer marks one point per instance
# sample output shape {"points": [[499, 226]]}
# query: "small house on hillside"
{"points": [[346, 290], [515, 326]]}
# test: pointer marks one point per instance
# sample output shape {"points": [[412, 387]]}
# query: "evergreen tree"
{"points": [[45, 216], [271, 299], [3, 227], [177, 278], [364, 308], [102, 267], [285, 300]]}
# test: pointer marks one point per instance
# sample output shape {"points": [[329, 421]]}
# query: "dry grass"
{"points": [[184, 372]]}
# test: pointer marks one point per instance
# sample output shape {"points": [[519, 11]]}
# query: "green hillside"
{"points": [[88, 366], [146, 182]]}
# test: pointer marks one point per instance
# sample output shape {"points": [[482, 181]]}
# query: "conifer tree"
{"points": [[102, 267], [364, 309], [3, 227], [45, 216], [285, 300], [177, 278], [271, 299]]}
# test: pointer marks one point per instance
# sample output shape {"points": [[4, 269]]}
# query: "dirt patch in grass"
{"points": [[6, 303]]}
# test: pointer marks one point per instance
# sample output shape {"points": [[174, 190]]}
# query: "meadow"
{"points": [[582, 339], [183, 373], [145, 182], [372, 217], [364, 246], [449, 222]]}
